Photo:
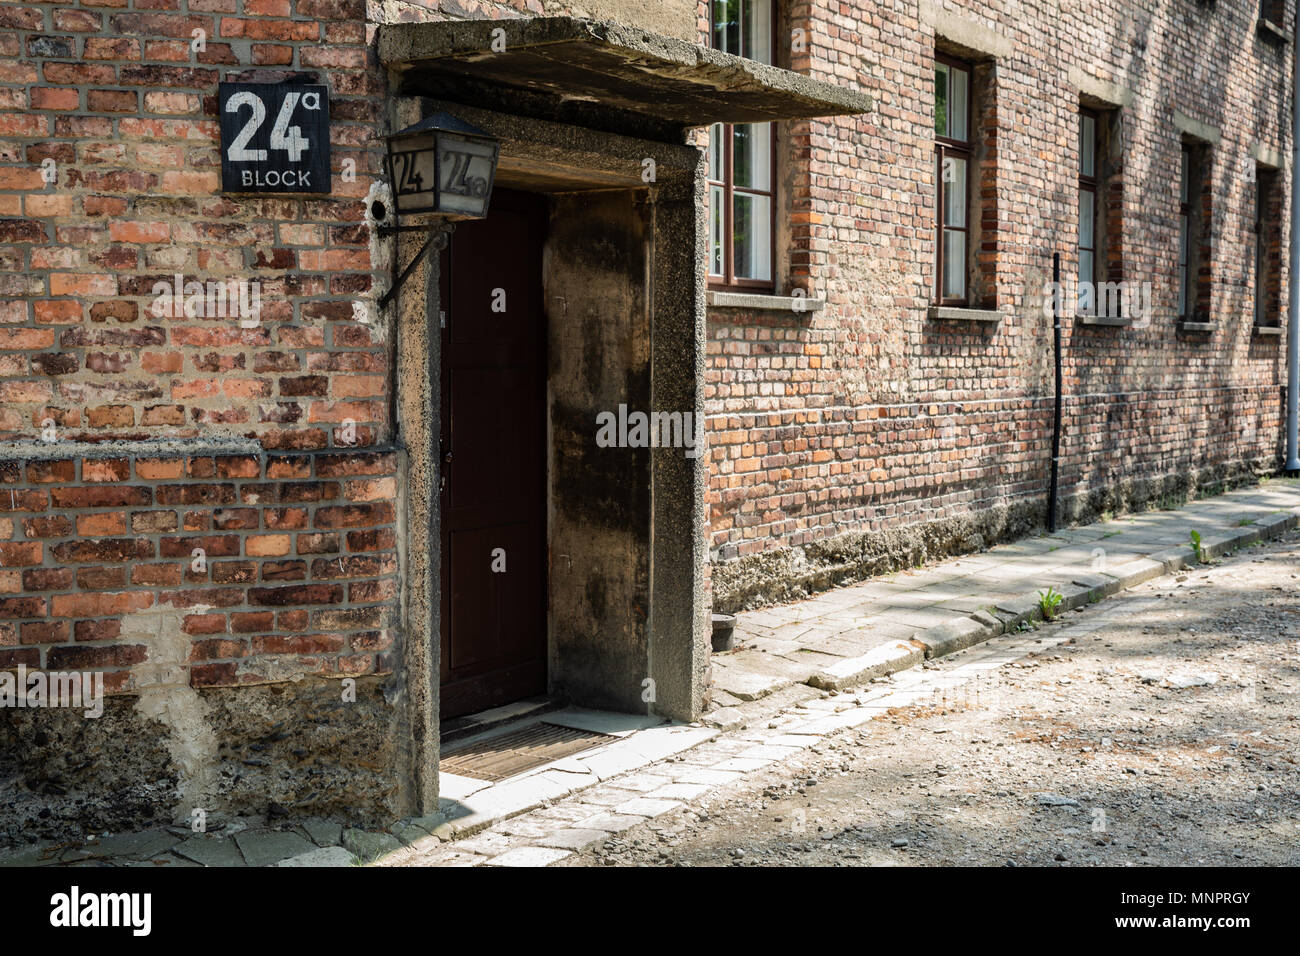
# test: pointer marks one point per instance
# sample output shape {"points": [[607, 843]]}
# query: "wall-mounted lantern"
{"points": [[442, 167]]}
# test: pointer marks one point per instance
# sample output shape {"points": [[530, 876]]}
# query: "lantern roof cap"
{"points": [[441, 122]]}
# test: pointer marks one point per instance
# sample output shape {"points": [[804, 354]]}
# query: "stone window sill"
{"points": [[1272, 31], [964, 315], [1103, 320], [1197, 326], [774, 303], [1267, 330]]}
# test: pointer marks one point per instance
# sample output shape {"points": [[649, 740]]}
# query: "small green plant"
{"points": [[1196, 546], [1048, 602], [1244, 522]]}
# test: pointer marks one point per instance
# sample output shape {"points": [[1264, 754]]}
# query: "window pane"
{"points": [[954, 191], [716, 227], [1259, 279], [1086, 267], [757, 30], [1185, 176], [716, 132], [751, 155], [1087, 145], [1087, 200], [726, 25], [1182, 265], [752, 236], [941, 100], [954, 264], [958, 121]]}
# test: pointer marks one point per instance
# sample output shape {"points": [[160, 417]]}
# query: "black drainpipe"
{"points": [[1056, 413]]}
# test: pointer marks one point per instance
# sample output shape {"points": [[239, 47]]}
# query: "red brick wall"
{"points": [[113, 93], [297, 568], [298, 531], [868, 415]]}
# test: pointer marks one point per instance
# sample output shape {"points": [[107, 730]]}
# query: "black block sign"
{"points": [[275, 137]]}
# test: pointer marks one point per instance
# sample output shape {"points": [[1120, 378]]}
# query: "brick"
{"points": [[76, 657], [108, 630], [267, 545], [103, 524], [302, 594], [100, 605], [47, 579], [45, 632], [204, 624], [20, 553], [51, 471], [105, 469], [56, 526], [213, 545], [352, 516], [104, 549]]}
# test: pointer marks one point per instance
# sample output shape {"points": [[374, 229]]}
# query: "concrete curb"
{"points": [[877, 662], [960, 633], [953, 635]]}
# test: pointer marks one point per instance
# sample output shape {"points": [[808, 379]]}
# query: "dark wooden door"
{"points": [[493, 458]]}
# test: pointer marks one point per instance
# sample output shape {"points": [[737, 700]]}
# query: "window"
{"points": [[1195, 241], [742, 187], [1184, 231], [952, 148], [1088, 228], [1268, 247]]}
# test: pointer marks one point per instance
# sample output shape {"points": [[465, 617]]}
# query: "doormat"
{"points": [[516, 751]]}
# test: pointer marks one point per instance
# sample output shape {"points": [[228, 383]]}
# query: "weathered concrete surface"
{"points": [[599, 498], [601, 74], [680, 620], [275, 750], [416, 380]]}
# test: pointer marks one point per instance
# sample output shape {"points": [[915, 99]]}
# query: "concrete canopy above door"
{"points": [[601, 75]]}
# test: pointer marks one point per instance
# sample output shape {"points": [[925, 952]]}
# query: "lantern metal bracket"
{"points": [[439, 235]]}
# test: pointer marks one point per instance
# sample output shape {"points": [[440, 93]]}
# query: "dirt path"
{"points": [[1164, 732]]}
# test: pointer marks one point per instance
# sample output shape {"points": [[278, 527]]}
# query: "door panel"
{"points": [[493, 458]]}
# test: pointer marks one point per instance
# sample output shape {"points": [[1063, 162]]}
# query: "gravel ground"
{"points": [[1163, 732]]}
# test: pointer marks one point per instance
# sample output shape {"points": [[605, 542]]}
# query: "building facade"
{"points": [[297, 525]]}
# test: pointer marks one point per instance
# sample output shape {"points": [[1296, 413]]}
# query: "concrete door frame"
{"points": [[551, 157]]}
